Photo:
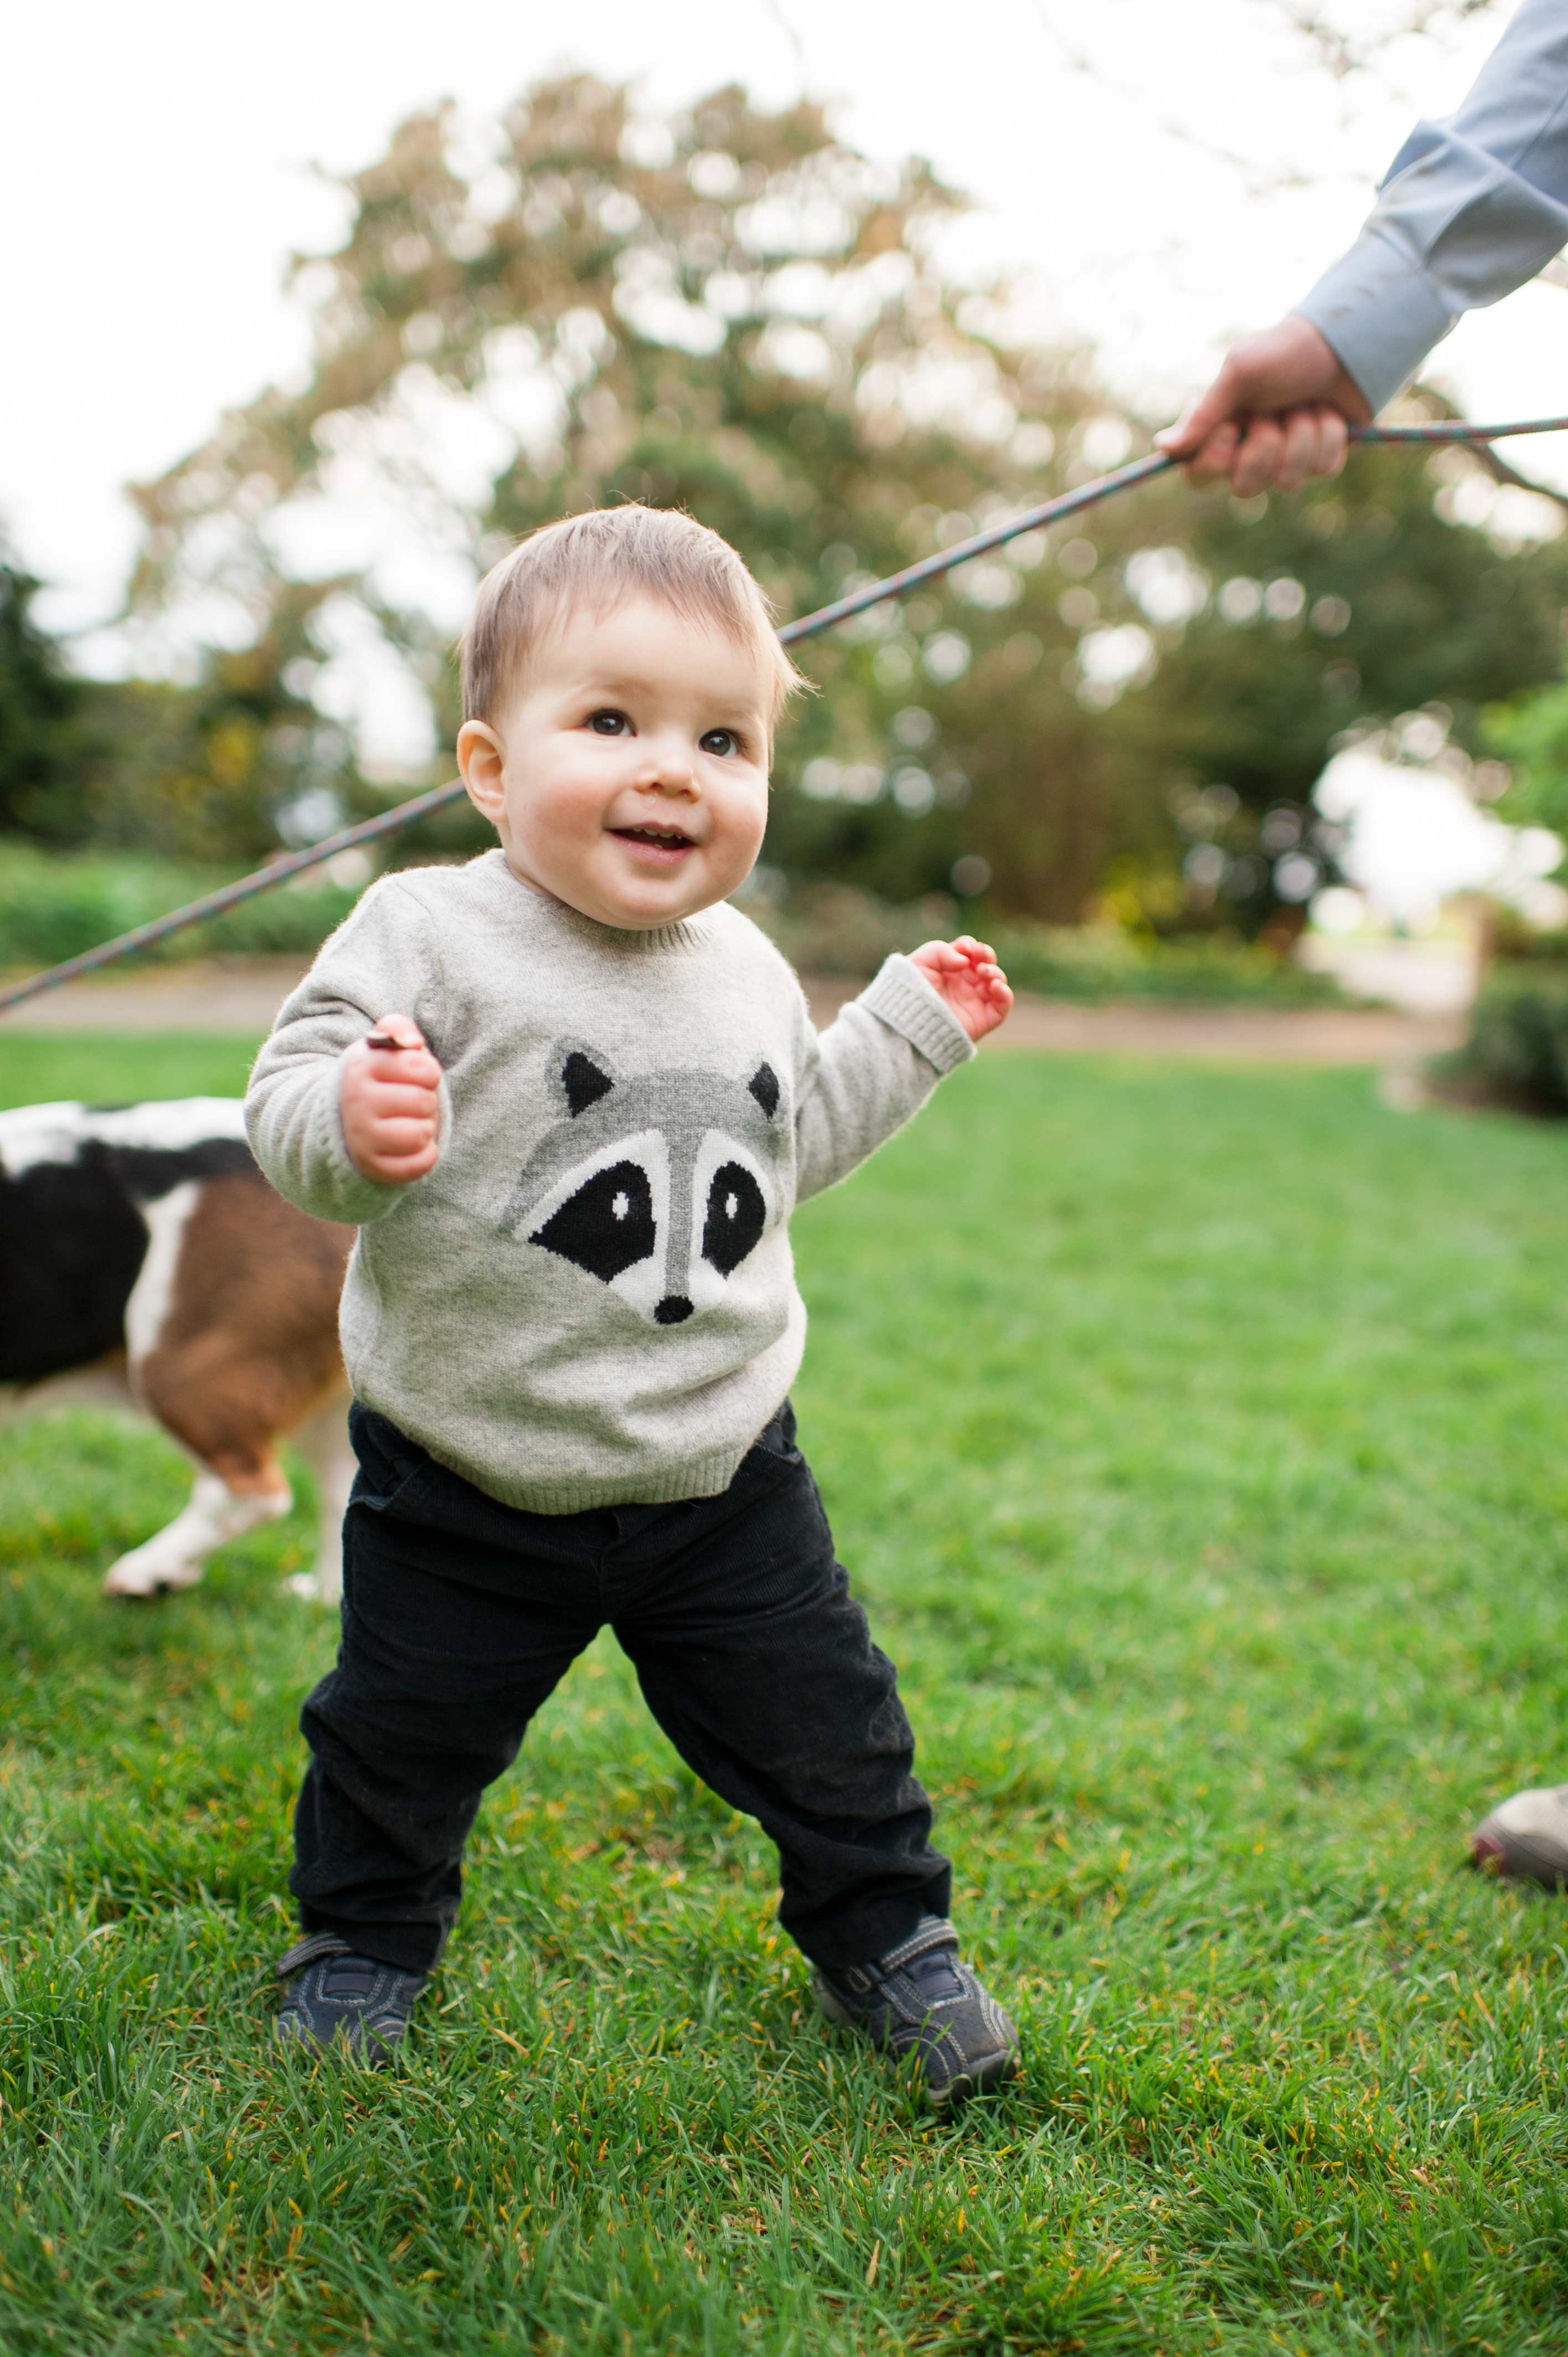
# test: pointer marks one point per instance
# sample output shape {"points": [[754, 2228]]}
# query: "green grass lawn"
{"points": [[1196, 1438]]}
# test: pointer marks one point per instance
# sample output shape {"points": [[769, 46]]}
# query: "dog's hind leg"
{"points": [[323, 1441], [176, 1555], [234, 1344]]}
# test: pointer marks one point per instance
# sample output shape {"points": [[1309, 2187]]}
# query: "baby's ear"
{"points": [[579, 1076]]}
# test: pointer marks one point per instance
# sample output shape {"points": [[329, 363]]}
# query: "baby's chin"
{"points": [[636, 903]]}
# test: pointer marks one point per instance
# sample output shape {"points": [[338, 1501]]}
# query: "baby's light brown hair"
{"points": [[598, 561]]}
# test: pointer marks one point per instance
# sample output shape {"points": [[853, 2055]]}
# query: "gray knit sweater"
{"points": [[590, 1300]]}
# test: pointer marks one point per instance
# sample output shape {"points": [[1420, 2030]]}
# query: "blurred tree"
{"points": [[1532, 735], [1343, 606], [730, 311], [39, 701]]}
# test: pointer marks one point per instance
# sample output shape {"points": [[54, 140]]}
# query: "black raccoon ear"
{"points": [[583, 1083], [764, 1087]]}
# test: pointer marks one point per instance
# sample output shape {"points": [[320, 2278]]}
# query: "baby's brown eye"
{"points": [[721, 741], [610, 724]]}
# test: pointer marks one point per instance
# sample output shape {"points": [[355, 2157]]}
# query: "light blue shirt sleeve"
{"points": [[1470, 209]]}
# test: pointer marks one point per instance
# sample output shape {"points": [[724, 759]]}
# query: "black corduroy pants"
{"points": [[460, 1616]]}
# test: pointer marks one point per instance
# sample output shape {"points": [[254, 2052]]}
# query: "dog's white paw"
{"points": [[151, 1570]]}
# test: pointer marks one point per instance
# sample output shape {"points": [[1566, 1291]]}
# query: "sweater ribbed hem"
{"points": [[672, 1485], [903, 999]]}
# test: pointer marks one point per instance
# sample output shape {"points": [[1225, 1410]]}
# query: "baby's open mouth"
{"points": [[668, 838]]}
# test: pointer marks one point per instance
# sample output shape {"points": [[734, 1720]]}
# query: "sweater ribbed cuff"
{"points": [[1379, 314], [903, 999]]}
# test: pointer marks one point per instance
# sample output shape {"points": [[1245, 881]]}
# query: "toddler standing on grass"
{"points": [[570, 1099]]}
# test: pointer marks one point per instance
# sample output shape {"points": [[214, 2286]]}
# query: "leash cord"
{"points": [[930, 568]]}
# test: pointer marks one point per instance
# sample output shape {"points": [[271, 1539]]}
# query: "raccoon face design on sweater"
{"points": [[657, 1185]]}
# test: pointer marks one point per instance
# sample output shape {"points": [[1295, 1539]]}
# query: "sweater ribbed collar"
{"points": [[686, 934]]}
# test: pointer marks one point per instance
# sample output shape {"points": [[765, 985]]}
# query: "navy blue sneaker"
{"points": [[346, 2007], [921, 1998]]}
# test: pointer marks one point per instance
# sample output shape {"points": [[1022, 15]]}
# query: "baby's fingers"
{"points": [[410, 1068], [393, 1100], [401, 1135]]}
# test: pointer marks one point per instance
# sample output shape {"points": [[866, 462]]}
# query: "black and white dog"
{"points": [[146, 1261]]}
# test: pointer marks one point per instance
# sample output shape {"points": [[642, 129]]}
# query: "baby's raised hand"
{"points": [[390, 1101], [965, 973]]}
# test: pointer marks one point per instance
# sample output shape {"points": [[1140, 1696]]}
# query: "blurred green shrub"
{"points": [[834, 929], [1518, 1048], [53, 906], [1099, 962]]}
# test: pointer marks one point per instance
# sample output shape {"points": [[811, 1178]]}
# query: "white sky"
{"points": [[156, 164]]}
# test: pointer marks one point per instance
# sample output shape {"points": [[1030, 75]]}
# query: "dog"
{"points": [[145, 1262]]}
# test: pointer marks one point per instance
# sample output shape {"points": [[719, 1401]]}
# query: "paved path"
{"points": [[243, 995], [1300, 1034]]}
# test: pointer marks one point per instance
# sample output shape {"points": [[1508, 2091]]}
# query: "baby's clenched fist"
{"points": [[388, 1096]]}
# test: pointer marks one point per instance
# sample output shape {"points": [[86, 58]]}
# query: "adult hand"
{"points": [[1275, 415], [389, 1098], [965, 975]]}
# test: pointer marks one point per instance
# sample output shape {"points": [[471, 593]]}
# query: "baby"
{"points": [[570, 1097]]}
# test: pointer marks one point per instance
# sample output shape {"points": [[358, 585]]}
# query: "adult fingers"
{"points": [[1216, 455], [1333, 441], [1298, 448], [1258, 459]]}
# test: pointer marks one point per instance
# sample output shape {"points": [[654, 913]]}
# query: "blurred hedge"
{"points": [[53, 906], [1518, 1048], [834, 929]]}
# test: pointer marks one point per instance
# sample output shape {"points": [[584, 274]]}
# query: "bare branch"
{"points": [[1343, 54], [1259, 182]]}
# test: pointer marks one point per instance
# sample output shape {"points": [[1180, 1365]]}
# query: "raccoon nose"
{"points": [[672, 1310]]}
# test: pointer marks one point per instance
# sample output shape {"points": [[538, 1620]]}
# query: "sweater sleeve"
{"points": [[870, 1072], [381, 961], [1469, 209]]}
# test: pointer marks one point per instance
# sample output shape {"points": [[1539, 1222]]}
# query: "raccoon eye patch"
{"points": [[607, 1226], [735, 1218]]}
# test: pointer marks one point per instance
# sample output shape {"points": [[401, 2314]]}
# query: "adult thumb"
{"points": [[1197, 422]]}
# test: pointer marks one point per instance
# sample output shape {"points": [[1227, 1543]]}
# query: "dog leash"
{"points": [[897, 585]]}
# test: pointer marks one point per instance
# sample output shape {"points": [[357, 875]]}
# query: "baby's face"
{"points": [[627, 773]]}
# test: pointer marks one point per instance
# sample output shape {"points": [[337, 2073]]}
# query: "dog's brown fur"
{"points": [[249, 1346]]}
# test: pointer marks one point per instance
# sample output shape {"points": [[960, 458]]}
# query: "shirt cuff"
{"points": [[903, 999], [1380, 314]]}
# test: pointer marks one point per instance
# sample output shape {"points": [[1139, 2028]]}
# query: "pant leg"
{"points": [[455, 1631], [759, 1666]]}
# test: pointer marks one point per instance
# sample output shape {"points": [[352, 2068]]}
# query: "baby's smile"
{"points": [[664, 847]]}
